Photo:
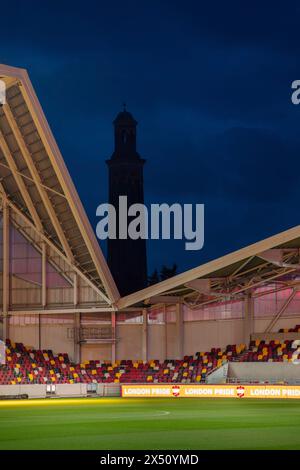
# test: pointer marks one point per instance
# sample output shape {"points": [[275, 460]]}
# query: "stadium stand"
{"points": [[30, 366]]}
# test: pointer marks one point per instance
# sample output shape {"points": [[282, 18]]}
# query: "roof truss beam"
{"points": [[37, 180], [20, 182], [56, 249], [281, 310]]}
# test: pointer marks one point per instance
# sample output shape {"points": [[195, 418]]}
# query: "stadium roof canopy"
{"points": [[274, 262], [36, 183]]}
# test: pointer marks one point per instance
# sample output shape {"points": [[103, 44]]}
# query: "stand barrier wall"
{"points": [[211, 391], [150, 391]]}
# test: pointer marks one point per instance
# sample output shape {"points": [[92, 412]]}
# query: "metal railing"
{"points": [[91, 333]]}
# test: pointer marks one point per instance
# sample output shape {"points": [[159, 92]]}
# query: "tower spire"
{"points": [[127, 259]]}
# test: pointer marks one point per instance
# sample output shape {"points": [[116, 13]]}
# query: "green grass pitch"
{"points": [[118, 423]]}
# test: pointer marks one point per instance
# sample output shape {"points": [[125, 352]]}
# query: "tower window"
{"points": [[124, 137]]}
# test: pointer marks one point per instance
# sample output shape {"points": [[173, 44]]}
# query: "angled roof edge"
{"points": [[64, 177], [210, 267]]}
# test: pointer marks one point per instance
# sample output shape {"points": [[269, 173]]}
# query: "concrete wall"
{"points": [[265, 371], [157, 342], [75, 390], [203, 335], [53, 337], [33, 391], [171, 335], [29, 335], [62, 390], [260, 324], [39, 391], [96, 351], [129, 341]]}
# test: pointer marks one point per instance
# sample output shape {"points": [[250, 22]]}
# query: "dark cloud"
{"points": [[209, 85]]}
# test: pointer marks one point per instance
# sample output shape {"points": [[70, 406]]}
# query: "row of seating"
{"points": [[296, 329], [272, 351], [29, 366]]}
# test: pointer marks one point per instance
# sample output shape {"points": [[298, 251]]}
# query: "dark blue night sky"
{"points": [[208, 82]]}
